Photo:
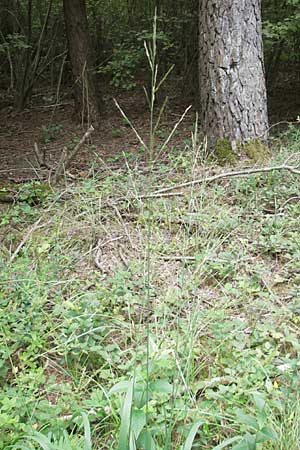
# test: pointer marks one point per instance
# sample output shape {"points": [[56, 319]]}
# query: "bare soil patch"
{"points": [[53, 127]]}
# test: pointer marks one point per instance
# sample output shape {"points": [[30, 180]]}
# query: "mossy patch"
{"points": [[32, 193], [224, 152], [256, 150], [8, 193]]}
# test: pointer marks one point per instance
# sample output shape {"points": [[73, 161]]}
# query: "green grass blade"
{"points": [[87, 432], [227, 442], [43, 441], [20, 447]]}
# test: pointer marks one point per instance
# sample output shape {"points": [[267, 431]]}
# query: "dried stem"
{"points": [[67, 158]]}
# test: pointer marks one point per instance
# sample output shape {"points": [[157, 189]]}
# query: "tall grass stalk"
{"points": [[152, 155], [151, 56]]}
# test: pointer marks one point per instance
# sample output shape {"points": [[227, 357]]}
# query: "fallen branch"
{"points": [[41, 157], [67, 158], [166, 192]]}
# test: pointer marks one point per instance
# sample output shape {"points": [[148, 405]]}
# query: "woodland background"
{"points": [[36, 73]]}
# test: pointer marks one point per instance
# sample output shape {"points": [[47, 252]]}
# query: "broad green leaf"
{"points": [[146, 441], [44, 248], [140, 394], [247, 443], [132, 442], [192, 434], [122, 386], [259, 401], [161, 386], [266, 434], [246, 419], [138, 422]]}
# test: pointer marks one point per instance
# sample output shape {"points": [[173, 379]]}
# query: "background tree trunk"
{"points": [[87, 96], [6, 18], [233, 100]]}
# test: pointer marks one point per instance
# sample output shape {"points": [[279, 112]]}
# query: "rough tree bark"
{"points": [[86, 93], [233, 101]]}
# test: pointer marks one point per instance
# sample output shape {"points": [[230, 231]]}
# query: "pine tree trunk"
{"points": [[233, 101], [87, 96]]}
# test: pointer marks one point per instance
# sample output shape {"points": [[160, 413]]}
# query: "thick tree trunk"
{"points": [[233, 101], [87, 96]]}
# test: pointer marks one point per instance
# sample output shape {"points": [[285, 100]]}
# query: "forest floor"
{"points": [[132, 322], [172, 319], [53, 128]]}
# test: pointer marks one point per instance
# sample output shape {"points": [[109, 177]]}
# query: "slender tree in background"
{"points": [[87, 96], [233, 99], [6, 19]]}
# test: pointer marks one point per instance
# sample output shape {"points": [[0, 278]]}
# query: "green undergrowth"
{"points": [[195, 346]]}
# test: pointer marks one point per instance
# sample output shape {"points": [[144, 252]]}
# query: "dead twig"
{"points": [[289, 200], [41, 157], [122, 257], [282, 122], [131, 126], [31, 230], [179, 258], [67, 158], [124, 225], [173, 131]]}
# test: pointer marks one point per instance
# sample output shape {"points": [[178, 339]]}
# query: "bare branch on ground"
{"points": [[167, 191]]}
